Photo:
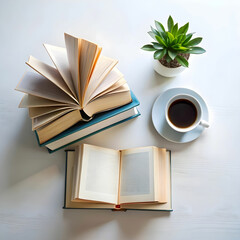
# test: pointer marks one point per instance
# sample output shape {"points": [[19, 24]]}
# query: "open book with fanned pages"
{"points": [[103, 178], [80, 84], [100, 122]]}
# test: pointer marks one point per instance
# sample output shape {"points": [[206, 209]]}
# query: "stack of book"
{"points": [[82, 94]]}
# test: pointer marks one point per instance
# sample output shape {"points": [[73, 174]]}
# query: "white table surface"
{"points": [[206, 172]]}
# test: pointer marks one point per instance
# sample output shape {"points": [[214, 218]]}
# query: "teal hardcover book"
{"points": [[99, 123]]}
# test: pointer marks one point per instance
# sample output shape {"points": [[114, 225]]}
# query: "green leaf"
{"points": [[164, 35], [159, 54], [175, 30], [170, 23], [179, 47], [174, 42], [183, 48], [188, 37], [161, 41], [152, 35], [172, 54], [180, 37], [170, 36], [148, 47], [194, 41], [161, 35], [159, 26], [196, 50], [176, 46], [154, 31], [182, 61], [183, 29], [157, 45], [168, 59]]}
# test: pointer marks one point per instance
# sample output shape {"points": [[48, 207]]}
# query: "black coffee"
{"points": [[182, 113]]}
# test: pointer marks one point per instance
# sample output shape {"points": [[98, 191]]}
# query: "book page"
{"points": [[60, 60], [51, 74], [161, 174], [119, 86], [107, 102], [35, 112], [33, 101], [73, 53], [137, 175], [99, 174], [76, 172], [103, 72], [34, 84], [47, 118], [88, 55], [167, 205], [70, 175]]}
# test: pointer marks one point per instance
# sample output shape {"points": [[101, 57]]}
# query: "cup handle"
{"points": [[204, 123]]}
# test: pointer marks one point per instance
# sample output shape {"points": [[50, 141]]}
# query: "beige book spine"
{"points": [[58, 126]]}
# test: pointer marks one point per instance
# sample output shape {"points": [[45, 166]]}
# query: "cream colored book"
{"points": [[81, 79], [136, 178]]}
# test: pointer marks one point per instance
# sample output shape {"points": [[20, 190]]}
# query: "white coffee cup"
{"points": [[199, 119]]}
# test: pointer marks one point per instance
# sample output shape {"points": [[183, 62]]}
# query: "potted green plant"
{"points": [[172, 48]]}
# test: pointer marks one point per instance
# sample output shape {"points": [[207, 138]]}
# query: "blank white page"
{"points": [[60, 59], [73, 53], [88, 54], [102, 69], [137, 175], [116, 86], [37, 85], [99, 174], [33, 101]]}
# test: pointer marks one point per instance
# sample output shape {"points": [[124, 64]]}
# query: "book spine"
{"points": [[65, 182], [37, 138]]}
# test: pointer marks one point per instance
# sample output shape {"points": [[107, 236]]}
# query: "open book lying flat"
{"points": [[81, 84], [137, 178]]}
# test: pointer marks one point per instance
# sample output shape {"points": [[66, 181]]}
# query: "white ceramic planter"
{"points": [[165, 71]]}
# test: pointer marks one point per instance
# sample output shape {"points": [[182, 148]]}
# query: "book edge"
{"points": [[65, 181], [102, 129]]}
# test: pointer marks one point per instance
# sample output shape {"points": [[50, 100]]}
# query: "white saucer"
{"points": [[160, 123]]}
